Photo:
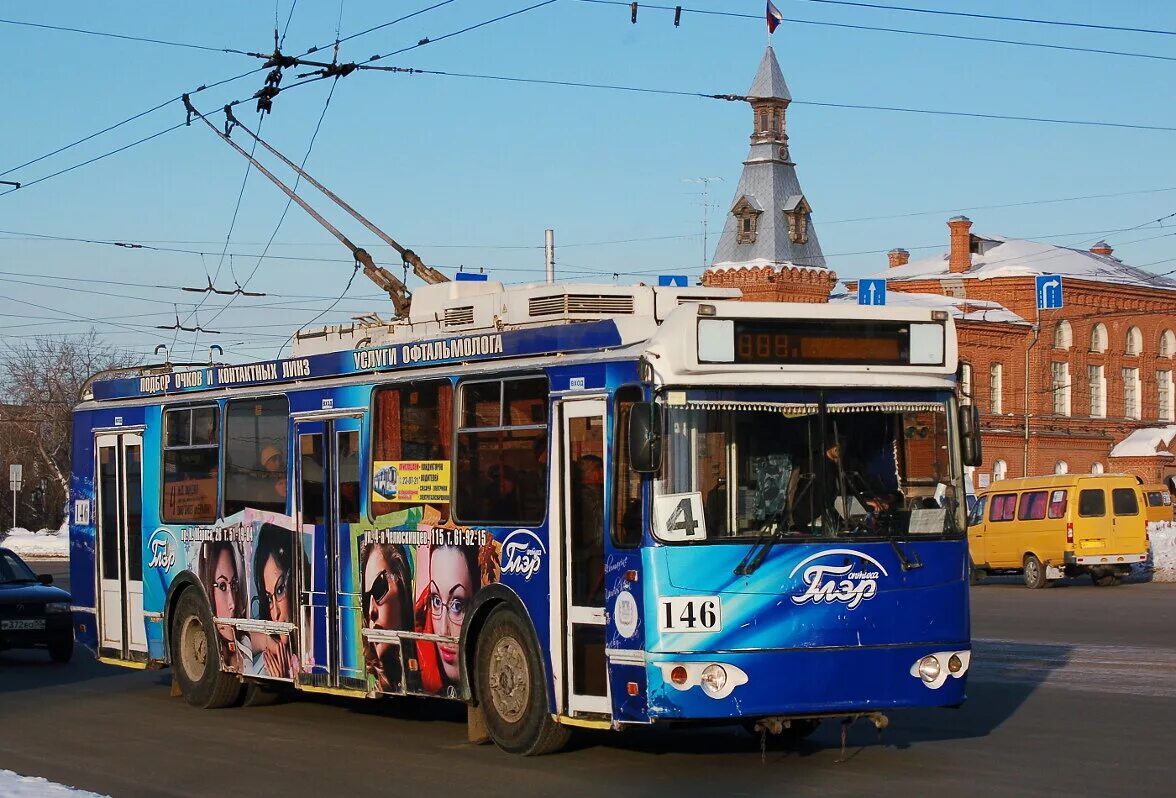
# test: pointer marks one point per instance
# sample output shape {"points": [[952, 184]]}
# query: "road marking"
{"points": [[1125, 670]]}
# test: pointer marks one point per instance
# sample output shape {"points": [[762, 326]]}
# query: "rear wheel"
{"points": [[510, 688], [196, 656], [61, 649], [1034, 572]]}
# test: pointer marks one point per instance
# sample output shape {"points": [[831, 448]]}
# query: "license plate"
{"points": [[37, 623]]}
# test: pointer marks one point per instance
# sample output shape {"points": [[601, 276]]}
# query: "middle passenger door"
{"points": [[328, 504]]}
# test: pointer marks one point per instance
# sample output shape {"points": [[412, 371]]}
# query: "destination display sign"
{"points": [[820, 342], [393, 357]]}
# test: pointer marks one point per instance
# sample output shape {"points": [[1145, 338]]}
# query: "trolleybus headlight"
{"points": [[955, 664], [929, 668], [714, 679], [57, 606], [678, 675]]}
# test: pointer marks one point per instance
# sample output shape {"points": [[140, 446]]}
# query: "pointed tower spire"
{"points": [[770, 222]]}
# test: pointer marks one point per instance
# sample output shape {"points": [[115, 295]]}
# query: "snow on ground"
{"points": [[40, 545], [1163, 551], [14, 785]]}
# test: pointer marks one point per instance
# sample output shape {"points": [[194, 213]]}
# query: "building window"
{"points": [[1164, 403], [1098, 338], [1060, 381], [1061, 467], [1134, 345], [1131, 393], [999, 470], [1167, 343], [746, 221], [965, 383], [1098, 391], [996, 388], [1097, 468], [798, 225], [1063, 335], [191, 454]]}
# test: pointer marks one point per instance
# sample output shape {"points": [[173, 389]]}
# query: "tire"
{"points": [[975, 575], [511, 690], [195, 656], [61, 649], [261, 695], [1034, 573]]}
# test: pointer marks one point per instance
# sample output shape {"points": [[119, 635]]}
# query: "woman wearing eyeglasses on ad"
{"points": [[274, 579], [387, 606], [221, 576]]}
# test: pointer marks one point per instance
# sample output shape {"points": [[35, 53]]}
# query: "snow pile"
{"points": [[1146, 442], [14, 785], [1163, 551], [43, 544]]}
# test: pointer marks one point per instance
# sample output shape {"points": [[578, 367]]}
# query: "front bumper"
{"points": [[805, 682]]}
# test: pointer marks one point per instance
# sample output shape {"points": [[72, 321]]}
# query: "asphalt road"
{"points": [[1073, 691]]}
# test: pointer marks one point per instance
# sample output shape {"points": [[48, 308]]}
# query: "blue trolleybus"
{"points": [[565, 506]]}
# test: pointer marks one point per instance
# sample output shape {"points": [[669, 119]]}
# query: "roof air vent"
{"points": [[459, 317]]}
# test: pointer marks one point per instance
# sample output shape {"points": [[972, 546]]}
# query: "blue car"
{"points": [[33, 613]]}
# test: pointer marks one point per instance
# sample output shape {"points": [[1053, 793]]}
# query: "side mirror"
{"points": [[645, 437], [45, 579], [970, 449]]}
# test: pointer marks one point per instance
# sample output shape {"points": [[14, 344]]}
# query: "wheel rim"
{"points": [[1031, 571], [509, 680], [193, 649]]}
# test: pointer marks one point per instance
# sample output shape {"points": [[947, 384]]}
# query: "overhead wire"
{"points": [[124, 37]]}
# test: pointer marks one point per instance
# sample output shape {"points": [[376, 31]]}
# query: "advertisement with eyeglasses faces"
{"points": [[245, 563], [420, 579]]}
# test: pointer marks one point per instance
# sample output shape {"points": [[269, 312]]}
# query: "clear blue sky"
{"points": [[471, 172]]}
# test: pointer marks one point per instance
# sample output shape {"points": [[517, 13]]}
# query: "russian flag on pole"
{"points": [[774, 17]]}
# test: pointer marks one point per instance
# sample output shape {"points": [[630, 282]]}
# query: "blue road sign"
{"points": [[471, 277], [672, 281], [1049, 292], [871, 292]]}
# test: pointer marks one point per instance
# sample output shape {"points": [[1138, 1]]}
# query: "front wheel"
{"points": [[196, 656], [510, 688], [1034, 572]]}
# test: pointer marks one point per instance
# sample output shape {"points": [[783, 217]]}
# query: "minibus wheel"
{"points": [[195, 655], [510, 688], [1034, 572]]}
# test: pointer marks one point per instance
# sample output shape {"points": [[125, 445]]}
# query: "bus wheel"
{"points": [[510, 688], [196, 656], [1034, 572]]}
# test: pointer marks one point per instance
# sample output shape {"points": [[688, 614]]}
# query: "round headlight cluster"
{"points": [[713, 679], [929, 668]]}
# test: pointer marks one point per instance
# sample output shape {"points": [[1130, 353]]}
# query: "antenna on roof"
{"points": [[706, 206]]}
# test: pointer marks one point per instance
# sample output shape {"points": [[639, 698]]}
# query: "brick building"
{"points": [[1084, 388]]}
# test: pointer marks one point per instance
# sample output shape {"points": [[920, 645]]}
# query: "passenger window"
{"points": [[1003, 507], [1123, 501], [627, 484], [976, 514], [190, 465], [1057, 504], [256, 443], [1032, 507], [502, 468], [1092, 503], [411, 460]]}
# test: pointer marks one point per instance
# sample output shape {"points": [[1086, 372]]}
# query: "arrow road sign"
{"points": [[872, 292], [15, 475], [1049, 292]]}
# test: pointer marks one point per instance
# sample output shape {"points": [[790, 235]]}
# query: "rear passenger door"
{"points": [[1128, 524]]}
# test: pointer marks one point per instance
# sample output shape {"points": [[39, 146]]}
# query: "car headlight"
{"points": [[57, 606], [929, 668], [713, 679]]}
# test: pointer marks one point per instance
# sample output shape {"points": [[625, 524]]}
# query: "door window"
{"points": [[347, 465], [586, 508], [1124, 501], [976, 515], [133, 479], [627, 530], [313, 476], [108, 503], [1092, 503]]}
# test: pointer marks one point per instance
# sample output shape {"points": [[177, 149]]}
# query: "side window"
{"points": [[627, 482], [411, 457], [1032, 506], [502, 468], [191, 449], [1092, 503], [1057, 504], [1003, 507], [257, 441], [1124, 501], [976, 514]]}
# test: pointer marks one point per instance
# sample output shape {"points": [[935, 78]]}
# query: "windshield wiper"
{"points": [[908, 564], [773, 531]]}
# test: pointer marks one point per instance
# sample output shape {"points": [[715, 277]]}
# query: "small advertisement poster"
{"points": [[190, 500], [414, 481]]}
